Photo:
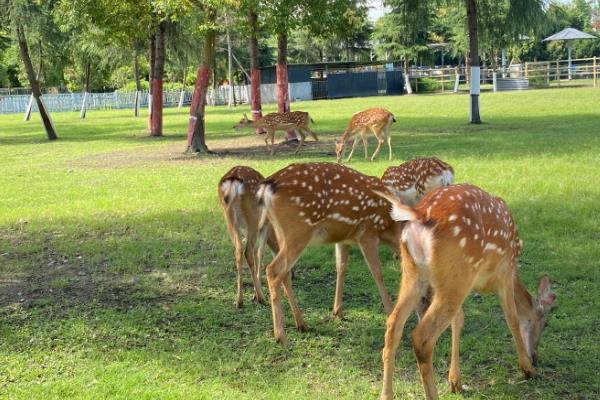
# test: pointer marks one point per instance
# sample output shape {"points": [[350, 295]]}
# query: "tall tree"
{"points": [[255, 101], [21, 14], [196, 134], [158, 69]]}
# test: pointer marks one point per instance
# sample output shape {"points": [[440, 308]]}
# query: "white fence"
{"points": [[125, 100]]}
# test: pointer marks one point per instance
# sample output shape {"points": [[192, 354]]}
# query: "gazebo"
{"points": [[568, 35]]}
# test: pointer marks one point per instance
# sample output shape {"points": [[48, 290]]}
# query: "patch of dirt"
{"points": [[52, 278], [251, 147]]}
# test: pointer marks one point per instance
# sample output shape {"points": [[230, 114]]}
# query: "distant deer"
{"points": [[413, 179], [378, 120], [237, 196], [459, 239], [296, 120], [319, 203]]}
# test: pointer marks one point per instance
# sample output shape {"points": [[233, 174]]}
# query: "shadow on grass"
{"points": [[163, 285]]}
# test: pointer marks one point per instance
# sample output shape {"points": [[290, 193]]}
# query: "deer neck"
{"points": [[524, 302]]}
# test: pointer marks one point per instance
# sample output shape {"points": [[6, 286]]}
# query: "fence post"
{"points": [[494, 83], [456, 80], [595, 72], [28, 109], [558, 72], [526, 70], [548, 73]]}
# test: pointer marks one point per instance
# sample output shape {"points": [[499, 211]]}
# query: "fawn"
{"points": [[237, 197], [378, 120], [458, 239], [415, 178], [296, 120]]}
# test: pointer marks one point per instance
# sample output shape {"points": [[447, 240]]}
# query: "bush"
{"points": [[431, 85]]}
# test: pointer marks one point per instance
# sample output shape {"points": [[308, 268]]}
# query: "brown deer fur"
{"points": [[285, 121], [459, 239], [237, 196], [314, 203], [378, 120], [413, 179]]}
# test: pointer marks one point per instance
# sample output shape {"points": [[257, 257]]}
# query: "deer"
{"points": [[323, 203], [237, 197], [285, 121], [378, 120], [412, 180], [458, 239]]}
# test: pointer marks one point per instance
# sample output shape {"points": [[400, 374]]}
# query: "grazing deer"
{"points": [[237, 196], [459, 239], [378, 120], [319, 203], [296, 120], [413, 179]]}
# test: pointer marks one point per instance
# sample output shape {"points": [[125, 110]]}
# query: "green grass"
{"points": [[117, 276]]}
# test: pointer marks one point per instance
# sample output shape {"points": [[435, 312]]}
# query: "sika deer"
{"points": [[378, 120], [237, 196], [413, 179], [296, 120], [459, 239], [314, 203]]}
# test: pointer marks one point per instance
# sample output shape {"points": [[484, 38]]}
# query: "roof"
{"points": [[569, 34]]}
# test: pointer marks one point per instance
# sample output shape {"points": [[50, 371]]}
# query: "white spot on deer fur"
{"points": [[456, 230], [462, 242], [316, 178], [303, 184], [301, 213], [452, 217], [490, 246], [354, 208], [476, 237]]}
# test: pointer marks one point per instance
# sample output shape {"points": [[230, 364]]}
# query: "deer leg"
{"points": [[301, 141], [239, 264], [379, 143], [352, 150], [411, 290], [388, 138], [272, 135], [341, 265], [507, 299], [454, 374], [291, 296], [277, 272], [437, 318], [365, 142], [370, 249], [253, 260]]}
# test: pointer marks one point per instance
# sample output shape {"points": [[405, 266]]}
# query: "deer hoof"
{"points": [[455, 386]]}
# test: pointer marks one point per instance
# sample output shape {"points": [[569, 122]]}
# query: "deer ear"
{"points": [[545, 296]]}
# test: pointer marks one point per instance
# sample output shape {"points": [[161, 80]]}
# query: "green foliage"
{"points": [[117, 276]]}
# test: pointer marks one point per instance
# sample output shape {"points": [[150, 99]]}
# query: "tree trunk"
{"points": [[157, 83], [283, 95], [230, 100], [152, 59], [474, 58], [136, 77], [196, 136], [33, 82], [255, 103]]}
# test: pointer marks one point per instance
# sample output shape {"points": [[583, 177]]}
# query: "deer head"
{"points": [[244, 123], [533, 326]]}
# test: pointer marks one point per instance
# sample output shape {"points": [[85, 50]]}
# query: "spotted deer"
{"points": [[378, 120], [459, 239], [293, 120], [237, 196], [413, 179], [321, 203]]}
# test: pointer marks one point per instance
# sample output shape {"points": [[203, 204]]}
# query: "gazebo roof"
{"points": [[569, 34]]}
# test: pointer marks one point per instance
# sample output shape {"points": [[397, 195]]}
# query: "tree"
{"points": [[21, 14], [519, 16], [196, 135]]}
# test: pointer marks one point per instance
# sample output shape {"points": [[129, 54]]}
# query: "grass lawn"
{"points": [[117, 277]]}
